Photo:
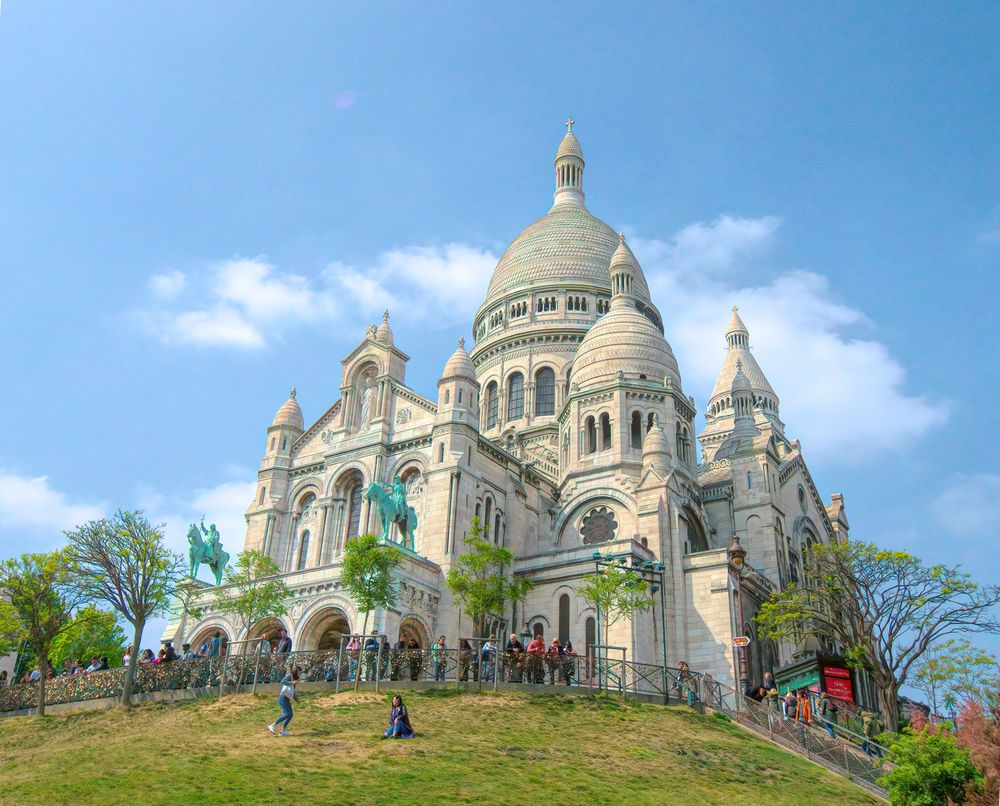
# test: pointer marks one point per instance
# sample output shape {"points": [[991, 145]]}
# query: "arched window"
{"points": [[459, 394], [354, 511], [605, 432], [284, 442], [545, 392], [636, 430], [749, 481], [487, 521], [447, 396], [649, 421], [515, 396], [696, 538], [272, 443], [303, 550], [496, 527], [563, 619], [590, 435], [479, 511], [492, 405], [263, 491], [590, 636], [441, 452]]}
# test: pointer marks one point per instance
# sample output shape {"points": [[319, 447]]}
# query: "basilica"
{"points": [[564, 426]]}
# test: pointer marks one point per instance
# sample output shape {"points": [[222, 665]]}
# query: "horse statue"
{"points": [[391, 507], [209, 551]]}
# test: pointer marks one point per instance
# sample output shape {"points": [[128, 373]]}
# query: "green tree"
{"points": [[93, 632], [253, 591], [38, 605], [928, 769], [122, 561], [368, 574], [616, 593], [478, 582], [886, 607], [953, 670]]}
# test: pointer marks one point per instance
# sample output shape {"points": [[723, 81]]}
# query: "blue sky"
{"points": [[202, 205]]}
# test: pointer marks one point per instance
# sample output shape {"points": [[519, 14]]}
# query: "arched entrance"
{"points": [[268, 630], [324, 630], [203, 640], [412, 628]]}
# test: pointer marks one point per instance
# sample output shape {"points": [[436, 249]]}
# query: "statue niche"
{"points": [[365, 398]]}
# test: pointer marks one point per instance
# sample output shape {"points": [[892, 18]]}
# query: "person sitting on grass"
{"points": [[285, 697], [399, 721]]}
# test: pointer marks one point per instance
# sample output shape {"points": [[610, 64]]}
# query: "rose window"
{"points": [[599, 526]]}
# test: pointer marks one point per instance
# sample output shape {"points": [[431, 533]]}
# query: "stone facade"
{"points": [[567, 431]]}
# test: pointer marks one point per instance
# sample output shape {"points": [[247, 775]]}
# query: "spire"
{"points": [[743, 402], [569, 169], [623, 269], [384, 332], [737, 334]]}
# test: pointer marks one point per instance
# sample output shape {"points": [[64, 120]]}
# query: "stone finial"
{"points": [[621, 237], [385, 316], [736, 308], [291, 394], [569, 124], [461, 342]]}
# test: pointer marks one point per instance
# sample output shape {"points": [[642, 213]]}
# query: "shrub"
{"points": [[930, 769]]}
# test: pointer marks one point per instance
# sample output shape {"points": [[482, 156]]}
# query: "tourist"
{"points": [[3, 678], [870, 729], [95, 664], [160, 655], [126, 657], [554, 660], [569, 665], [169, 653], [203, 650], [685, 682], [487, 659], [216, 645], [791, 705], [769, 681], [371, 655], [536, 655], [803, 711], [285, 697], [439, 659], [146, 656], [284, 644], [35, 675], [188, 654], [759, 694], [398, 653], [773, 704], [399, 721], [353, 654], [514, 659], [828, 714], [104, 663], [413, 649]]}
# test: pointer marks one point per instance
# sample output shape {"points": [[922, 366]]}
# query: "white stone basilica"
{"points": [[566, 429]]}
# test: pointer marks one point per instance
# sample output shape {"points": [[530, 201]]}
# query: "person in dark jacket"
{"points": [[399, 721]]}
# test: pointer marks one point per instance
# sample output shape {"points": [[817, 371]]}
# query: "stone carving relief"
{"points": [[403, 416]]}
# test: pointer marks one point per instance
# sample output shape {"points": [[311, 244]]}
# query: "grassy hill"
{"points": [[470, 748]]}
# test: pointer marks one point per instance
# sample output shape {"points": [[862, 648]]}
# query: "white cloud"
{"points": [[32, 502], [250, 302], [843, 395], [169, 285], [969, 506]]}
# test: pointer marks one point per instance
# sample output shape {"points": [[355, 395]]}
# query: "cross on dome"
{"points": [[461, 342], [292, 393], [569, 124]]}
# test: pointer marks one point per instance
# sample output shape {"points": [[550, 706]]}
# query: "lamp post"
{"points": [[737, 559], [655, 575]]}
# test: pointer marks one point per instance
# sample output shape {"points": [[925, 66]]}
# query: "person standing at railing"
{"points": [[413, 651], [828, 714], [514, 658], [554, 660], [438, 658], [371, 655], [569, 662], [398, 653], [536, 655], [803, 708], [464, 658], [870, 729], [353, 656], [487, 659], [773, 703]]}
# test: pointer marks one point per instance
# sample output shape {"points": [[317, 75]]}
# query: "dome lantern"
{"points": [[624, 268], [569, 169]]}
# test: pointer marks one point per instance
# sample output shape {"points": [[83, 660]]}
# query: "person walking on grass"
{"points": [[285, 697], [399, 721]]}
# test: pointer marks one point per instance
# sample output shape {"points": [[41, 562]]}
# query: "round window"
{"points": [[599, 526]]}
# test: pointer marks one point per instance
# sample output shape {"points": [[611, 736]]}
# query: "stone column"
{"points": [[291, 539], [265, 544], [316, 547]]}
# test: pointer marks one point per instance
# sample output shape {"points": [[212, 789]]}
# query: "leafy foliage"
{"points": [[979, 733], [93, 632], [616, 593], [39, 604], [368, 574], [478, 582], [929, 769], [122, 561], [952, 671], [886, 607], [252, 590]]}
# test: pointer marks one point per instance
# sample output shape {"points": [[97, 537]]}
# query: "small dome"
{"points": [[569, 147], [459, 365], [384, 332], [289, 414], [656, 447], [740, 380], [625, 341]]}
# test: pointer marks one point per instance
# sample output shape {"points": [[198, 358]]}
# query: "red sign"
{"points": [[741, 640], [838, 683]]}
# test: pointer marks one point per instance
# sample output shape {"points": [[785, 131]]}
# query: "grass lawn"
{"points": [[470, 748]]}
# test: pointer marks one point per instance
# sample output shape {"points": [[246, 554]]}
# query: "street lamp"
{"points": [[737, 560]]}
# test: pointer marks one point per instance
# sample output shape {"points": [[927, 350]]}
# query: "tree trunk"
{"points": [[361, 653], [888, 704], [43, 673], [133, 662]]}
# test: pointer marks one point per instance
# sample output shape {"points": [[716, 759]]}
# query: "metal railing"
{"points": [[846, 752]]}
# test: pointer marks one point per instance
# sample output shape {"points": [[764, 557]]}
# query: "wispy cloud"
{"points": [[31, 503], [169, 285], [844, 395], [969, 506]]}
